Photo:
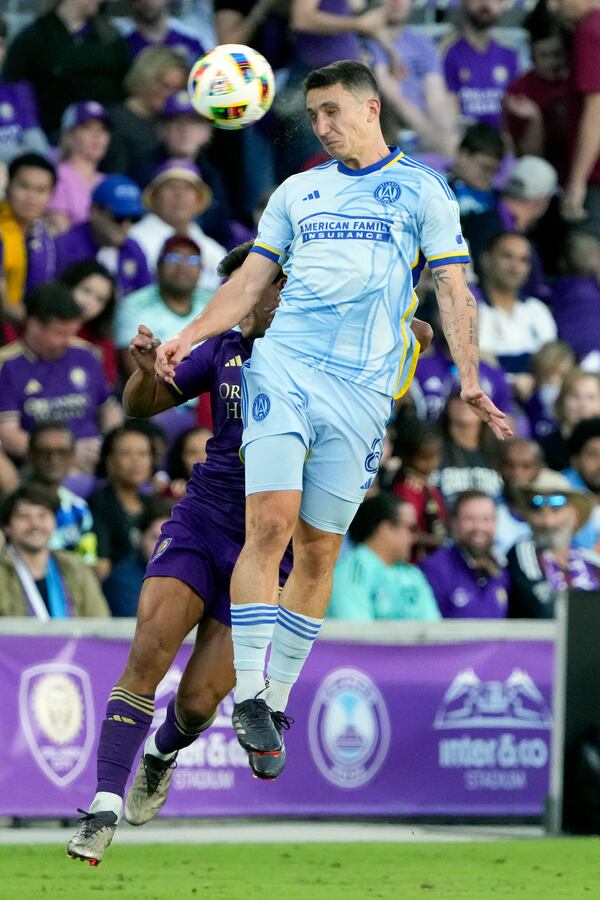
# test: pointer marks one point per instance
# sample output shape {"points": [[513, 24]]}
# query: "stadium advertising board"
{"points": [[453, 729]]}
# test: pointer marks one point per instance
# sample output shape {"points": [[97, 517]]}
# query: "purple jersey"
{"points": [[41, 256], [177, 38], [218, 484], [18, 119], [464, 591], [126, 263], [418, 57], [315, 50], [69, 389], [201, 542], [480, 79], [437, 375]]}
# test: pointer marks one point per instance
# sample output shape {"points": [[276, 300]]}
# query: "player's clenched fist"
{"points": [[169, 354], [143, 349]]}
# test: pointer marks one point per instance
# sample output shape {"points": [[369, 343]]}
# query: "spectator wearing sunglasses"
{"points": [[468, 580], [548, 563], [374, 579], [116, 206], [167, 306]]}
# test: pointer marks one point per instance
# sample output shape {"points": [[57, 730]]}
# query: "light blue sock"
{"points": [[293, 637], [251, 631]]}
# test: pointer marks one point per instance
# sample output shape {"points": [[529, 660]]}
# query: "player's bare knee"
{"points": [[315, 553], [270, 527]]}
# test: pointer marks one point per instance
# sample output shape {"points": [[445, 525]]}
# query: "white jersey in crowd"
{"points": [[353, 243]]}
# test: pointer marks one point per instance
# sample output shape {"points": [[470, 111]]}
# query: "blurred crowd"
{"points": [[117, 203]]}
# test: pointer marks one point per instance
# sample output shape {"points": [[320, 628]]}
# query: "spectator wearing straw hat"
{"points": [[548, 563], [175, 197]]}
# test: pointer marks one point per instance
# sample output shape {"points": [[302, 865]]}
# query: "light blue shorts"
{"points": [[338, 428]]}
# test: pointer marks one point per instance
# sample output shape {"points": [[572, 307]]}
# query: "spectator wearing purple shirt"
{"points": [[468, 581], [20, 129], [478, 69], [576, 297], [27, 250], [116, 206], [151, 25], [50, 374], [326, 31], [412, 82]]}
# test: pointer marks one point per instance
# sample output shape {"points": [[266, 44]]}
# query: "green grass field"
{"points": [[519, 870]]}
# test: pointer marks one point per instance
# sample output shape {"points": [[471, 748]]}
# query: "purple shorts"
{"points": [[195, 550]]}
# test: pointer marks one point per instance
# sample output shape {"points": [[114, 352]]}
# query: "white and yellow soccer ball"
{"points": [[232, 86]]}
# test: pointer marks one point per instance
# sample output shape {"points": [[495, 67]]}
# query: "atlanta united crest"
{"points": [[56, 710]]}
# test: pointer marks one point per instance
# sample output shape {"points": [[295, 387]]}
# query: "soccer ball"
{"points": [[232, 86]]}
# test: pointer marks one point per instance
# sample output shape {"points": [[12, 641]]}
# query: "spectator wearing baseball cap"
{"points": [[167, 305], [84, 138], [183, 134], [175, 197], [523, 201], [116, 206]]}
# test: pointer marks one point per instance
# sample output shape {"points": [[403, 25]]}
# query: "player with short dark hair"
{"points": [[187, 584], [354, 234]]}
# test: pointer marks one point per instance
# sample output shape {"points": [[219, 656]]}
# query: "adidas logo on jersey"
{"points": [[314, 195], [235, 361]]}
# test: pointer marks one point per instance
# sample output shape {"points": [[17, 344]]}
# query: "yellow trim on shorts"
{"points": [[404, 388]]}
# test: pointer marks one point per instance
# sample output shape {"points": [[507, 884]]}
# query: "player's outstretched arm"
{"points": [[145, 395], [229, 305], [458, 310]]}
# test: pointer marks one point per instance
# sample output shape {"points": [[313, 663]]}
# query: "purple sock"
{"points": [[175, 734], [128, 720]]}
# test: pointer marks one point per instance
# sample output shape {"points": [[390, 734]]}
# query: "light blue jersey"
{"points": [[353, 243]]}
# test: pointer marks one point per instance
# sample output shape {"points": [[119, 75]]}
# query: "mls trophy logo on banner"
{"points": [[56, 711]]}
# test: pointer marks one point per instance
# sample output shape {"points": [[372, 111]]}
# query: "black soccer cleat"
{"points": [[268, 765], [254, 726]]}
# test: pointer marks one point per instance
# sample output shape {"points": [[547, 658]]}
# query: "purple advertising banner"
{"points": [[432, 729]]}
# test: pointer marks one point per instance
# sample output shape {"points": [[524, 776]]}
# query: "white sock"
{"points": [[105, 801], [151, 748], [293, 637], [251, 630]]}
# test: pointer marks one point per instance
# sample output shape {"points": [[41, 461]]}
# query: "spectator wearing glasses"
{"points": [[549, 563], [468, 580], [116, 206], [374, 579], [51, 458], [168, 305]]}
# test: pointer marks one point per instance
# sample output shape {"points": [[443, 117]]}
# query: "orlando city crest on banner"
{"points": [[56, 711]]}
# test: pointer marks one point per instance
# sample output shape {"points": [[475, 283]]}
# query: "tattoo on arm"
{"points": [[440, 278]]}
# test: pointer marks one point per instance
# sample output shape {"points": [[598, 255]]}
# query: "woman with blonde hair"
{"points": [[155, 74], [84, 139]]}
